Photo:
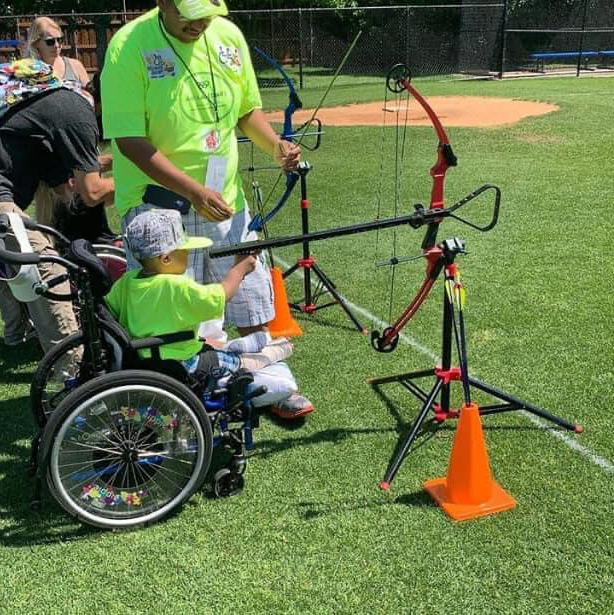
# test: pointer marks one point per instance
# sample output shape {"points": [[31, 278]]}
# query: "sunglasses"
{"points": [[50, 42]]}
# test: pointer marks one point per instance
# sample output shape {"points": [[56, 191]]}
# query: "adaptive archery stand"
{"points": [[309, 303], [468, 490]]}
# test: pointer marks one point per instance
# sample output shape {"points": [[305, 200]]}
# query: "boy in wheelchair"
{"points": [[159, 299]]}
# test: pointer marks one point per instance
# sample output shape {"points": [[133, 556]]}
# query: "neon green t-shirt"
{"points": [[165, 303], [148, 91]]}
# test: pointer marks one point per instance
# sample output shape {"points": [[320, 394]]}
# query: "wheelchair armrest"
{"points": [[154, 342], [160, 340]]}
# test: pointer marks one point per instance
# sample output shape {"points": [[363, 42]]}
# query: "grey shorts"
{"points": [[253, 303]]}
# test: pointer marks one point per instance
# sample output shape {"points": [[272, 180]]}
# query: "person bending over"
{"points": [[43, 126]]}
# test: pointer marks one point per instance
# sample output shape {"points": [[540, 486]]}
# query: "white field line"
{"points": [[587, 453]]}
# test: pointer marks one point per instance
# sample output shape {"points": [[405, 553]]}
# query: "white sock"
{"points": [[254, 342]]}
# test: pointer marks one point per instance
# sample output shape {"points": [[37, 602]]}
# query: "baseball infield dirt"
{"points": [[452, 111]]}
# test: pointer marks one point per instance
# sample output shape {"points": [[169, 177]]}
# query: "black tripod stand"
{"points": [[309, 302], [446, 374]]}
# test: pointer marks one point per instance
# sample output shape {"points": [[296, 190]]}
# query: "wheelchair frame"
{"points": [[130, 439]]}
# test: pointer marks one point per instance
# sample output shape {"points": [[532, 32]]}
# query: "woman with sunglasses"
{"points": [[45, 43]]}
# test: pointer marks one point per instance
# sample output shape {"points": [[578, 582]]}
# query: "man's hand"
{"points": [[210, 205], [287, 155]]}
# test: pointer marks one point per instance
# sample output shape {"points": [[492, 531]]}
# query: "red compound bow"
{"points": [[397, 81]]}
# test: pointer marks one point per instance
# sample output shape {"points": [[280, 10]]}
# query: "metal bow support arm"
{"points": [[419, 218]]}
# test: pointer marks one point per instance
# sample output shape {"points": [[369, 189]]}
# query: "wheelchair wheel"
{"points": [[52, 381], [127, 448]]}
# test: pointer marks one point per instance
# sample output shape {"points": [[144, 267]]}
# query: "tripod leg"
{"points": [[519, 404], [307, 286], [290, 271], [411, 436], [330, 287]]}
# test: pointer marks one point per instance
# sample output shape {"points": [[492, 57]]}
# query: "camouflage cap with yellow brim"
{"points": [[201, 9], [160, 231]]}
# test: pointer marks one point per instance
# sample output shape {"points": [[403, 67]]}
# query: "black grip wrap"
{"points": [[15, 258]]}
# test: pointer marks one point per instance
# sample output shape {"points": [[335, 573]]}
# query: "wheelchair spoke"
{"points": [[167, 469], [111, 482], [123, 481], [169, 479], [96, 473], [142, 425], [97, 432], [85, 464], [92, 447], [166, 456]]}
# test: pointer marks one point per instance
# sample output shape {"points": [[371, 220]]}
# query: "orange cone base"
{"points": [[499, 500], [292, 330]]}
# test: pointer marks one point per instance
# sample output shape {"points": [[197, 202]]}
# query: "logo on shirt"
{"points": [[160, 63], [230, 57], [211, 140]]}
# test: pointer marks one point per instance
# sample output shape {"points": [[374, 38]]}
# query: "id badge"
{"points": [[216, 173]]}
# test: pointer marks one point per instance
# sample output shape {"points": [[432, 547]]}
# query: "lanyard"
{"points": [[198, 85]]}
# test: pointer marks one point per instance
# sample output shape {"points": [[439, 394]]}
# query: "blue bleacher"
{"points": [[541, 56]]}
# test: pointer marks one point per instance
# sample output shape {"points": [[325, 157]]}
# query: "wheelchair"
{"points": [[124, 441]]}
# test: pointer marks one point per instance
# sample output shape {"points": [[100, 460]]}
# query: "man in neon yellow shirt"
{"points": [[176, 83]]}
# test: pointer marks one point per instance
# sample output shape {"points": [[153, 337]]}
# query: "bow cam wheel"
{"points": [[377, 340], [397, 76]]}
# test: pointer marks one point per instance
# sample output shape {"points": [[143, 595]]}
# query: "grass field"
{"points": [[311, 532]]}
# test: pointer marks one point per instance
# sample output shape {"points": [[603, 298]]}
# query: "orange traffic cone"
{"points": [[468, 490], [283, 325]]}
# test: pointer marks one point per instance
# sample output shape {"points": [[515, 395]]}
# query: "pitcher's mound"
{"points": [[452, 111]]}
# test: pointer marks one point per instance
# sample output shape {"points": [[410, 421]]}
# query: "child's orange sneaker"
{"points": [[292, 408]]}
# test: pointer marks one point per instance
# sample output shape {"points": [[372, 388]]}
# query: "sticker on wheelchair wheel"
{"points": [[152, 417], [103, 497]]}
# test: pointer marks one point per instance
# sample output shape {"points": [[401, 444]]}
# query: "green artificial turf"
{"points": [[311, 532]]}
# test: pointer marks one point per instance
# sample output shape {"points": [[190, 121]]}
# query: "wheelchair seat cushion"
{"points": [[82, 252]]}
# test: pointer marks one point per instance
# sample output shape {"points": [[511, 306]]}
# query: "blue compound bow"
{"points": [[259, 220]]}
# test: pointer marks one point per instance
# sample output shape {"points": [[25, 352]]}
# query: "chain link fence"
{"points": [[471, 37], [431, 40]]}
